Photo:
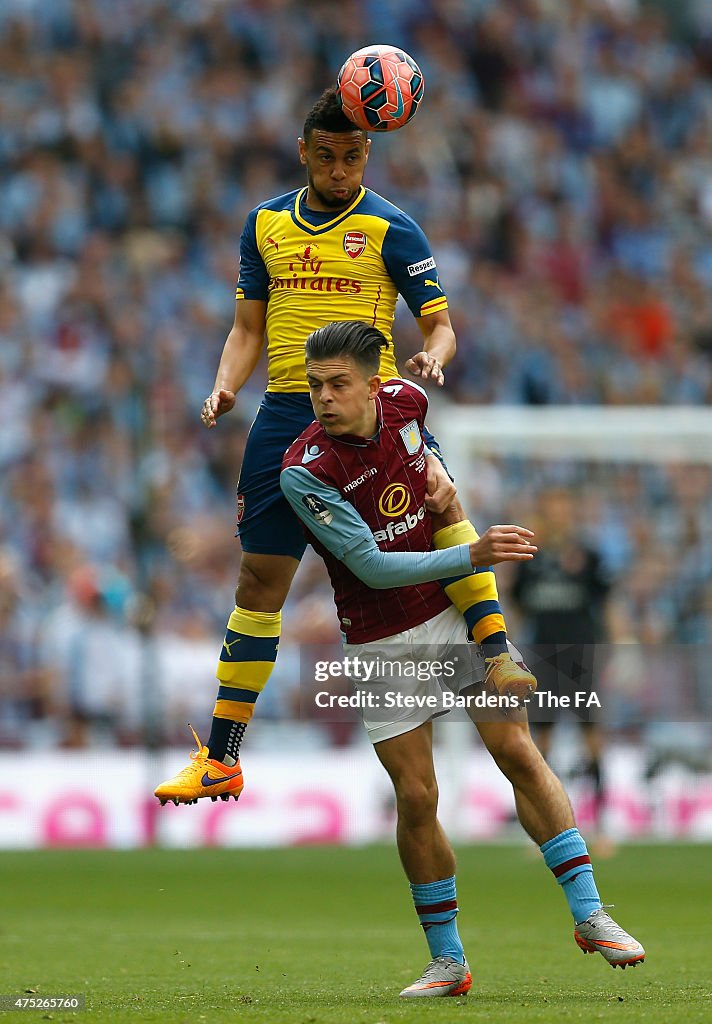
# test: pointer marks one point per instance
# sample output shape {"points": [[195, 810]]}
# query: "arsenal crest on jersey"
{"points": [[240, 507], [354, 243]]}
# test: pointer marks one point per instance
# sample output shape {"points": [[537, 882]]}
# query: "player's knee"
{"points": [[515, 752], [417, 799], [259, 588]]}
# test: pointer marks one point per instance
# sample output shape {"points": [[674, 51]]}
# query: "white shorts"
{"points": [[413, 673]]}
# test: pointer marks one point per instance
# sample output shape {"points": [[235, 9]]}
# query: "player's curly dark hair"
{"points": [[328, 115], [348, 338]]}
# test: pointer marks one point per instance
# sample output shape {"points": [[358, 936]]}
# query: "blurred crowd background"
{"points": [[561, 168]]}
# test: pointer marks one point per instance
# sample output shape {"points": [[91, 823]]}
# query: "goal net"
{"points": [[639, 488]]}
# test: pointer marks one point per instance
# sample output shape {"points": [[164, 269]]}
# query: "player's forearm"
{"points": [[383, 570], [239, 358], [441, 344], [438, 336]]}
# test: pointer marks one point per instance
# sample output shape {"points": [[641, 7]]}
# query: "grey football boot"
{"points": [[599, 933], [442, 977]]}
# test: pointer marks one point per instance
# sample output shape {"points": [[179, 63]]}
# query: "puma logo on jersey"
{"points": [[433, 284], [271, 241]]}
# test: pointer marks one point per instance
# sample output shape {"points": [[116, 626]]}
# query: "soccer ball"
{"points": [[380, 88]]}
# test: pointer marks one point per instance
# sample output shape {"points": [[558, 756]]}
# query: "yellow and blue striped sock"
{"points": [[475, 596], [247, 658], [436, 906]]}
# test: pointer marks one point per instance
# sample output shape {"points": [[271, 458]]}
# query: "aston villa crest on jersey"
{"points": [[354, 243], [411, 437]]}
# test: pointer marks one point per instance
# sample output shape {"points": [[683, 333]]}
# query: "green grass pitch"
{"points": [[315, 936]]}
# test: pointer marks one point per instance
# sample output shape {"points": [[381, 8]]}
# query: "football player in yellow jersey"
{"points": [[332, 250]]}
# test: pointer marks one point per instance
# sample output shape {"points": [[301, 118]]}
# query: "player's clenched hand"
{"points": [[502, 544], [440, 490], [424, 365], [215, 405]]}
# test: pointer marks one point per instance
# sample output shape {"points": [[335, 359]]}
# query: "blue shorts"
{"points": [[266, 524]]}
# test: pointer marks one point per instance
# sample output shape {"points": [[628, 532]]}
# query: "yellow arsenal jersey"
{"points": [[313, 268]]}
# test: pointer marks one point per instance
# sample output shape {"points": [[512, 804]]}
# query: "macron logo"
{"points": [[310, 454], [353, 484]]}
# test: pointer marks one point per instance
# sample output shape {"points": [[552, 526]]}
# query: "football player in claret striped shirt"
{"points": [[332, 250], [361, 496]]}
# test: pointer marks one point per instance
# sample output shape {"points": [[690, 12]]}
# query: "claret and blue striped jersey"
{"points": [[313, 268], [362, 501]]}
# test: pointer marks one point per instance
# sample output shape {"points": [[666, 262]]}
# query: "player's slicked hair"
{"points": [[348, 338], [328, 115]]}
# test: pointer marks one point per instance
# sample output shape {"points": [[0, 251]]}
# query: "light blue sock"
{"points": [[568, 858], [436, 906]]}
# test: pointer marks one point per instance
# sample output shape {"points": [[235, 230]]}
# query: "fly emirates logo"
{"points": [[306, 275]]}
